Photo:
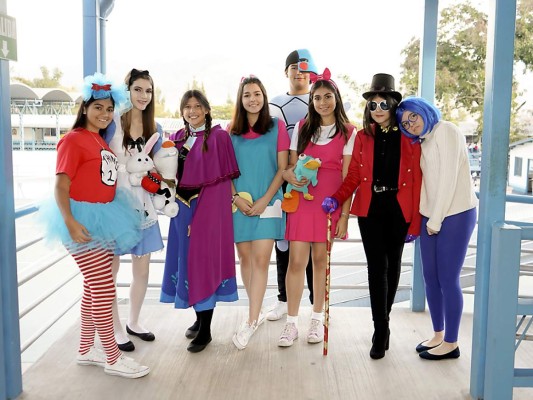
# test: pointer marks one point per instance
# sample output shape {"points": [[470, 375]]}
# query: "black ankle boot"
{"points": [[388, 337], [381, 340], [192, 330], [203, 337]]}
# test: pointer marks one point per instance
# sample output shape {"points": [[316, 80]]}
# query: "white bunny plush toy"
{"points": [[140, 163], [166, 163]]}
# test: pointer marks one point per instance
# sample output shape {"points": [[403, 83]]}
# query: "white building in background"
{"points": [[39, 116], [521, 166]]}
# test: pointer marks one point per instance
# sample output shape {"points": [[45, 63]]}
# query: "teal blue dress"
{"points": [[258, 163]]}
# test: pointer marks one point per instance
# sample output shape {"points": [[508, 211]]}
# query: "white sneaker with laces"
{"points": [[288, 335], [243, 335], [93, 357], [316, 332], [127, 368], [277, 311]]}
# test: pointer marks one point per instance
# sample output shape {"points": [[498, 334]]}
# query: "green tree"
{"points": [[196, 86], [224, 111], [47, 80], [461, 54], [160, 107]]}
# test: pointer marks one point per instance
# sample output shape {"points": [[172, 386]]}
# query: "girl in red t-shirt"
{"points": [[93, 220]]}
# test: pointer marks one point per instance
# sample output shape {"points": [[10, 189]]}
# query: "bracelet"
{"points": [[234, 197], [343, 214]]}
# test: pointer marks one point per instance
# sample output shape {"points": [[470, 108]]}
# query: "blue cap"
{"points": [[303, 58]]}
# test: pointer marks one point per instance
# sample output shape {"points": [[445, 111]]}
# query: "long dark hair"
{"points": [[189, 94], [81, 117], [148, 114], [311, 127], [367, 115], [239, 122]]}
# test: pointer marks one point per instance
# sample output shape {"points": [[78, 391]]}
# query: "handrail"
{"points": [[29, 209], [41, 269], [41, 331], [48, 294], [26, 210]]}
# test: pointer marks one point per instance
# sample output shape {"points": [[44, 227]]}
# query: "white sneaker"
{"points": [[316, 331], [288, 335], [261, 319], [93, 357], [243, 335], [127, 368], [277, 311]]}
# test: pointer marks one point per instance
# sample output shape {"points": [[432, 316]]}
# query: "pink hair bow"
{"points": [[251, 76], [325, 76]]}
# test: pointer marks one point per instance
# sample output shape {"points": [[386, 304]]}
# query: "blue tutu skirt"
{"points": [[113, 226]]}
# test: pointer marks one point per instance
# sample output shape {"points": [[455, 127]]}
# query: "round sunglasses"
{"points": [[382, 105]]}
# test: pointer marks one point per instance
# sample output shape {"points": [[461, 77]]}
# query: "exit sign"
{"points": [[8, 38]]}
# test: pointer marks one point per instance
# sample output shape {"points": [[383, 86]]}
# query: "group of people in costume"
{"points": [[267, 180]]}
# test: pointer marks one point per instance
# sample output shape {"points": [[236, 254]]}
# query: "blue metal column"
{"points": [[95, 13], [428, 51], [106, 6], [496, 122], [10, 365], [502, 305], [426, 88], [91, 37]]}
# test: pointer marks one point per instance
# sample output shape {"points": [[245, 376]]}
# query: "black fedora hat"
{"points": [[383, 83]]}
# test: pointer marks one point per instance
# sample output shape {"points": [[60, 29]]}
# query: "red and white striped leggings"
{"points": [[98, 294]]}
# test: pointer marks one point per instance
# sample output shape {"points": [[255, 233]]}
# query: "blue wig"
{"points": [[99, 86], [427, 111]]}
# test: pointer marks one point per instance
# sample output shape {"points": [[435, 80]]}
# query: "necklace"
{"points": [[98, 142], [386, 130]]}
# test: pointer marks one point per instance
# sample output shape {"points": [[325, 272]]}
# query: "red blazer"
{"points": [[359, 179]]}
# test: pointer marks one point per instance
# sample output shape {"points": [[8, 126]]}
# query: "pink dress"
{"points": [[309, 222]]}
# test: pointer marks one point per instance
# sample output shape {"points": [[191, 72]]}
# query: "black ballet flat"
{"points": [[196, 348], [420, 348], [128, 346], [455, 353], [147, 337]]}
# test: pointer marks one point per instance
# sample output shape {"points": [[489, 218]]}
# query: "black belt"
{"points": [[381, 189]]}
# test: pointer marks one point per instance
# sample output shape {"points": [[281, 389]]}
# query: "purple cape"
{"points": [[211, 245]]}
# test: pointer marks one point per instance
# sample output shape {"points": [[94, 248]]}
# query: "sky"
{"points": [[217, 42]]}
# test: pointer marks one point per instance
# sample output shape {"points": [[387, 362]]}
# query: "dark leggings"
{"points": [[383, 233], [443, 256], [282, 261]]}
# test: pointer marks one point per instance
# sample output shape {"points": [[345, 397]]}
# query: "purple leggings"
{"points": [[443, 256]]}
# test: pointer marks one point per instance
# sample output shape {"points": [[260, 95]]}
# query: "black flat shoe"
{"points": [[455, 353], [147, 337], [196, 348], [420, 348], [192, 330], [128, 346]]}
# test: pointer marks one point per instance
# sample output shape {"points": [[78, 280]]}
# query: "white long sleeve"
{"points": [[447, 187]]}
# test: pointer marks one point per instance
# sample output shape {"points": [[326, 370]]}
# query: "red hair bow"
{"points": [[326, 76], [96, 86]]}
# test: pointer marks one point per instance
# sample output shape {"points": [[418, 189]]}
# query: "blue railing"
{"points": [[416, 288]]}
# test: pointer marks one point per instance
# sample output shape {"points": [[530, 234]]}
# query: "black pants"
{"points": [[282, 261], [383, 234]]}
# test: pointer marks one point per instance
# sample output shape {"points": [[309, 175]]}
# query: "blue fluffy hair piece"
{"points": [[427, 111], [99, 86]]}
